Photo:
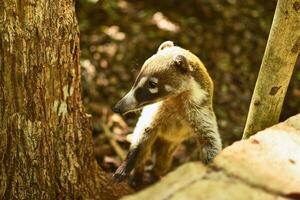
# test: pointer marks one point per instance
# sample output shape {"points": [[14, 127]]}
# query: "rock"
{"points": [[265, 166], [194, 181], [218, 186], [175, 181], [270, 159]]}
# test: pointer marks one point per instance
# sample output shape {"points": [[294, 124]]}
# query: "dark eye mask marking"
{"points": [[143, 95]]}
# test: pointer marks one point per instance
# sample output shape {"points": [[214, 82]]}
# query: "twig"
{"points": [[113, 142]]}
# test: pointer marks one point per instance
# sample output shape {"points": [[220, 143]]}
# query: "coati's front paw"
{"points": [[208, 154], [120, 174]]}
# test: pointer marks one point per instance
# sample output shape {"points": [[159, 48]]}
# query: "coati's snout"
{"points": [[126, 104], [147, 90]]}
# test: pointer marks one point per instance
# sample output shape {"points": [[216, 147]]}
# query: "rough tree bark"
{"points": [[276, 69], [46, 149]]}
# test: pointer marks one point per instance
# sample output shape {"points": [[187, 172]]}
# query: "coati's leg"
{"points": [[139, 149], [208, 148], [140, 166], [164, 156], [206, 131]]}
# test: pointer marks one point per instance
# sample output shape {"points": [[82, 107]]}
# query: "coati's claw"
{"points": [[119, 177], [120, 174]]}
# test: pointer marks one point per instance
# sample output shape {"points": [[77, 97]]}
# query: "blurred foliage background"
{"points": [[117, 36]]}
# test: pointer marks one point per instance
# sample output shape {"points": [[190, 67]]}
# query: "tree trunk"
{"points": [[46, 149], [276, 68]]}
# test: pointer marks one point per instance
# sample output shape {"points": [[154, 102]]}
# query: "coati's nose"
{"points": [[126, 104], [116, 109]]}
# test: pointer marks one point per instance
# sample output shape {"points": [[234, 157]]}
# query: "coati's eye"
{"points": [[152, 84]]}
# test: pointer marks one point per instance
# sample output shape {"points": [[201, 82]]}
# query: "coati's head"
{"points": [[167, 73]]}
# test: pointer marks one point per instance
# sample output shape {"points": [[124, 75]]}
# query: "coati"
{"points": [[176, 94]]}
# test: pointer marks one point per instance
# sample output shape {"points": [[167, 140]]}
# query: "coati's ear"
{"points": [[182, 63], [165, 44]]}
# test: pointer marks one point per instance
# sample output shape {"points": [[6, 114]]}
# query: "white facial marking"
{"points": [[131, 98], [153, 90], [142, 82], [154, 79], [168, 88], [198, 94]]}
